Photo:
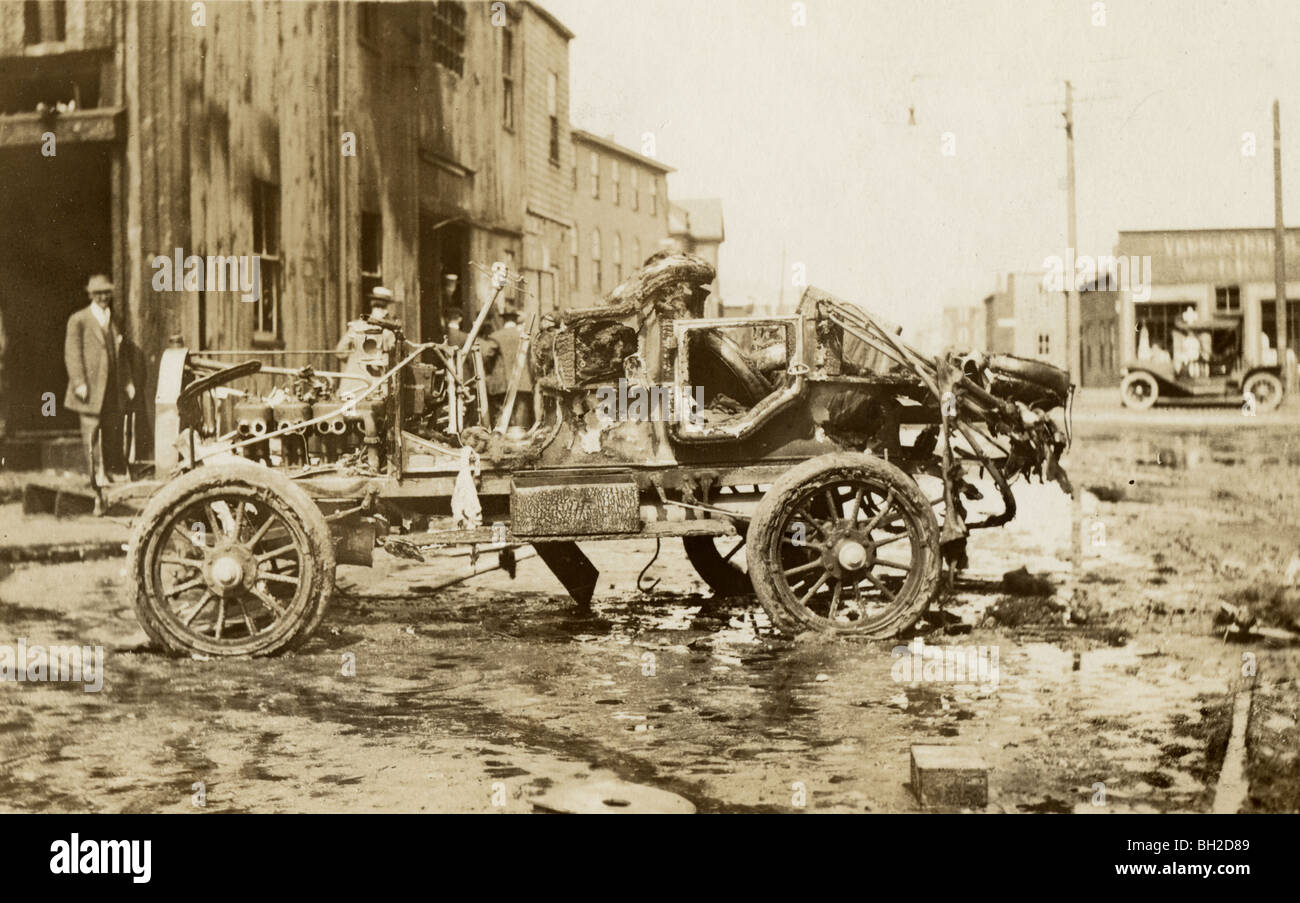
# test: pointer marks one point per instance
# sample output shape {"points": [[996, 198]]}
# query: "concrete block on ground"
{"points": [[949, 776]]}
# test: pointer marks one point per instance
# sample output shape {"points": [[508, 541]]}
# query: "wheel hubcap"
{"points": [[230, 570], [226, 572], [852, 555]]}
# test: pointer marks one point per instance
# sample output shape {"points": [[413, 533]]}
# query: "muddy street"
{"points": [[1110, 692]]}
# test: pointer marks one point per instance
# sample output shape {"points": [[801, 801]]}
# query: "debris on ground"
{"points": [[1271, 611], [1027, 610], [1022, 583]]}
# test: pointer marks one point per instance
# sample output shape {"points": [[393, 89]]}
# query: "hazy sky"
{"points": [[802, 131]]}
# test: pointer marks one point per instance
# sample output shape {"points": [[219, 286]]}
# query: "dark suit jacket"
{"points": [[504, 346], [94, 359]]}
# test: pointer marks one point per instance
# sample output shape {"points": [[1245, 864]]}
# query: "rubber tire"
{"points": [[1276, 388], [764, 534], [272, 487], [717, 574], [1054, 379], [1139, 376]]}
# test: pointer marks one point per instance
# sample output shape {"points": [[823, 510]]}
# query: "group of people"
{"points": [[500, 350], [499, 347], [102, 387]]}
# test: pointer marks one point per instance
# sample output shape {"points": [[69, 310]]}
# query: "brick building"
{"points": [[1024, 318], [343, 144], [1219, 274], [620, 213]]}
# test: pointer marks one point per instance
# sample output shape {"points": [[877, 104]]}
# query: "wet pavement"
{"points": [[496, 694]]}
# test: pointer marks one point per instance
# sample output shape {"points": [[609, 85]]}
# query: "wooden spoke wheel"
{"points": [[844, 543], [1266, 388], [231, 560], [1139, 390]]}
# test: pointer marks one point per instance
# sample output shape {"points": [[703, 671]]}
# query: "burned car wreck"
{"points": [[788, 453]]}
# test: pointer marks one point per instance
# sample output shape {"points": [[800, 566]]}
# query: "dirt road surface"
{"points": [[1114, 693]]}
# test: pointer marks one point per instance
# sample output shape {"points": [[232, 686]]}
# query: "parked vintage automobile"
{"points": [[1214, 373], [800, 438]]}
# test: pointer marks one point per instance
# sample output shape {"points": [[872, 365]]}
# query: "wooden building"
{"points": [[343, 144]]}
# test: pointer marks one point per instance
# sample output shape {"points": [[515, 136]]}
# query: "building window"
{"points": [[44, 20], [1227, 299], [507, 77], [372, 253], [636, 189], [449, 35], [636, 251], [1268, 324], [614, 182], [573, 258], [575, 173], [618, 257], [1044, 343], [595, 261], [553, 111], [595, 175], [1156, 319], [266, 244], [654, 197]]}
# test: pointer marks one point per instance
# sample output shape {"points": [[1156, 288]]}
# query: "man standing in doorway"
{"points": [[502, 354], [100, 386]]}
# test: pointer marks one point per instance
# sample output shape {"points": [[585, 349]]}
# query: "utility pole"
{"points": [[1073, 330], [1279, 254]]}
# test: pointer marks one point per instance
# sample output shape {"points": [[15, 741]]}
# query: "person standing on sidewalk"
{"points": [[100, 386]]}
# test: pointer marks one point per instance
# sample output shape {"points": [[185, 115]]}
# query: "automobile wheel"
{"points": [[1266, 388], [231, 560], [720, 562], [844, 543], [1139, 391]]}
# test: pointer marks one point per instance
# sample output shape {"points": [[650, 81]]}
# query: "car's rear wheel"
{"points": [[720, 562], [844, 543], [1139, 390], [1266, 389]]}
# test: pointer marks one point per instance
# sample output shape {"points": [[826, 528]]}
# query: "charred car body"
{"points": [[791, 463]]}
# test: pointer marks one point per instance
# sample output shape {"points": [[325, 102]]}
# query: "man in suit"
{"points": [[502, 352], [100, 387]]}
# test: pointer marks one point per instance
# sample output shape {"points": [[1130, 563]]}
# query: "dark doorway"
{"points": [[55, 232], [444, 250]]}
